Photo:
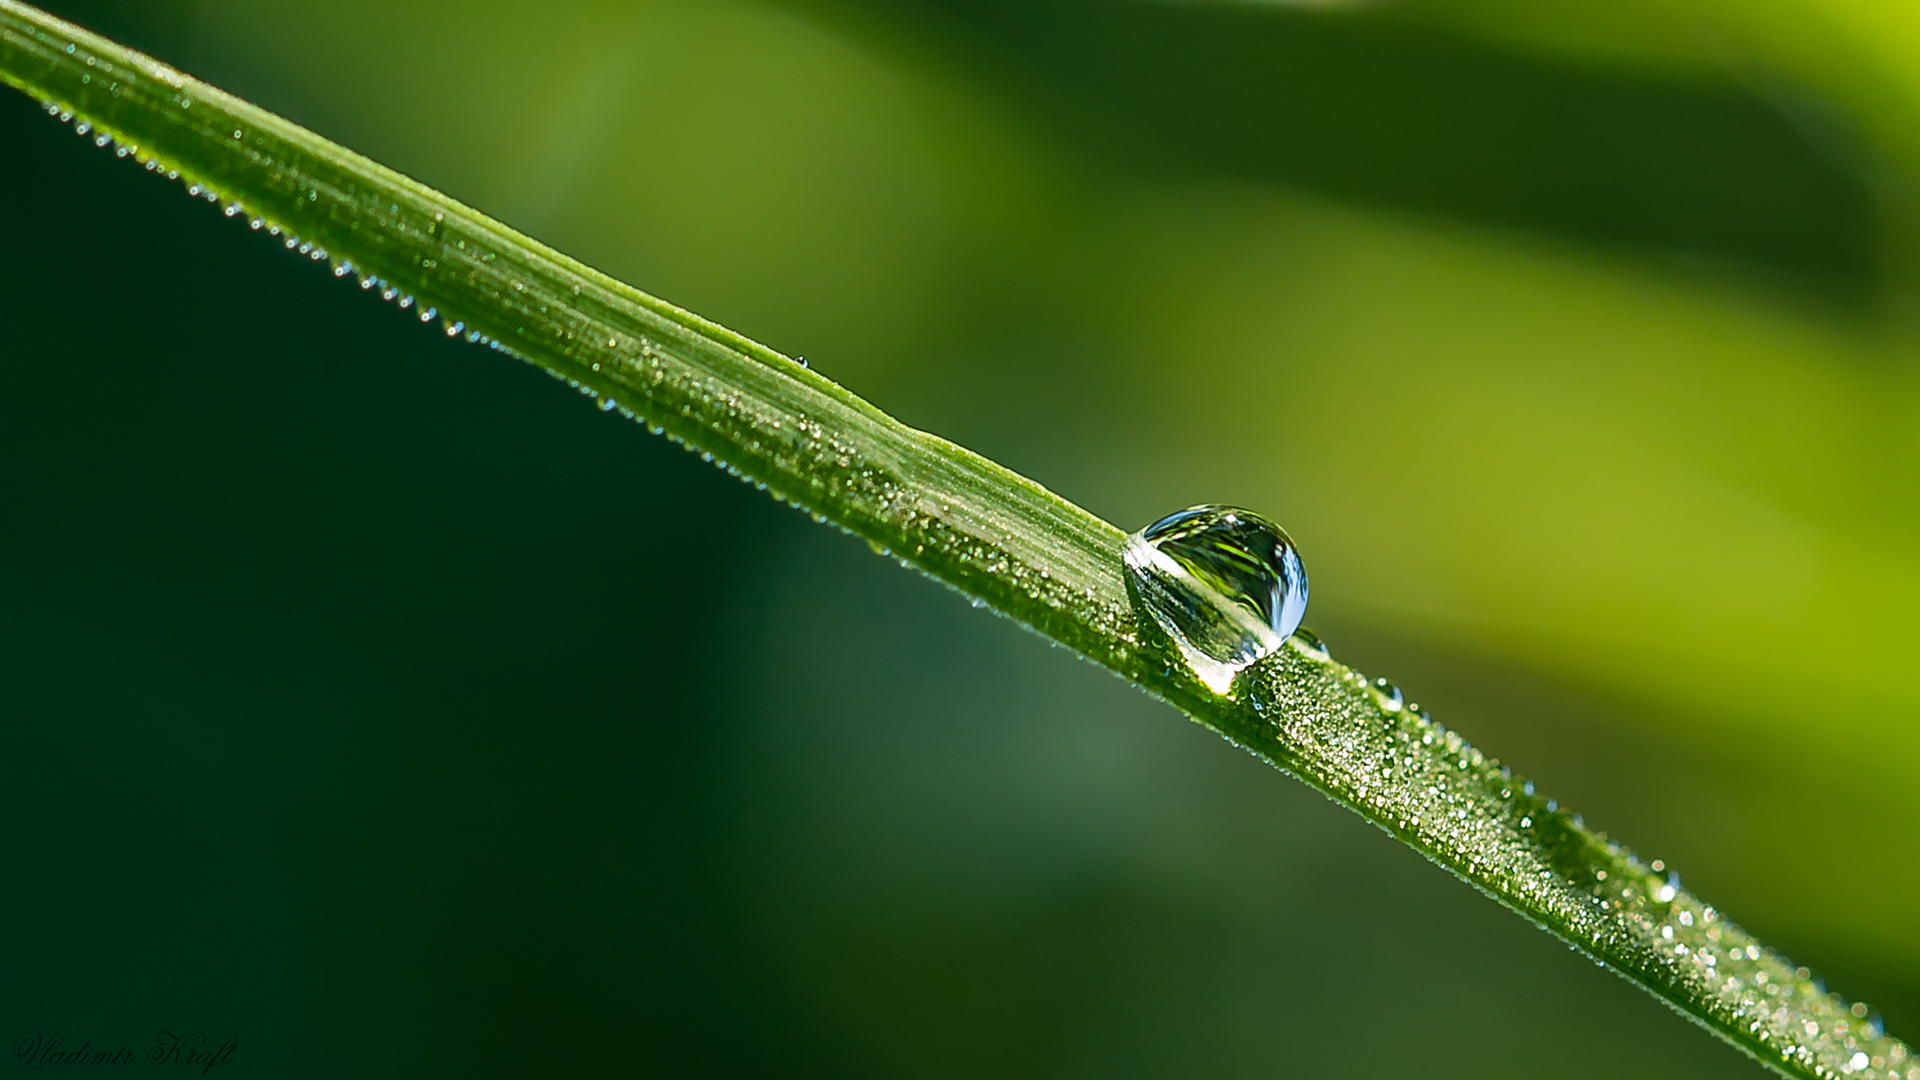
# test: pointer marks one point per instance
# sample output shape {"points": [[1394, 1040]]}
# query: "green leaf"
{"points": [[953, 515]]}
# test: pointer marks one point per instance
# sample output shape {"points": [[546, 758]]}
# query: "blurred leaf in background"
{"points": [[1576, 347]]}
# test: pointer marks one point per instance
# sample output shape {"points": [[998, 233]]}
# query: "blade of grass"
{"points": [[950, 513]]}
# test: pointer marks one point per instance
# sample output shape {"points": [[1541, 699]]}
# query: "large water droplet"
{"points": [[1225, 584]]}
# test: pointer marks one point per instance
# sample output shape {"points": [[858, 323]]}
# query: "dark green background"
{"points": [[374, 699]]}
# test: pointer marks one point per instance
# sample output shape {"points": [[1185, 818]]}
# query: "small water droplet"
{"points": [[802, 361], [1667, 890], [1226, 585], [1308, 644], [607, 404], [1387, 695]]}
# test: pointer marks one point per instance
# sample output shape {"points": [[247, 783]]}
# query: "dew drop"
{"points": [[1387, 695], [1226, 585], [1308, 644], [1664, 892]]}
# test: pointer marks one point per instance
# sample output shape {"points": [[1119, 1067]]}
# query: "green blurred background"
{"points": [[374, 699]]}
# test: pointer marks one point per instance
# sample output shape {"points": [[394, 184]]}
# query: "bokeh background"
{"points": [[373, 699]]}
